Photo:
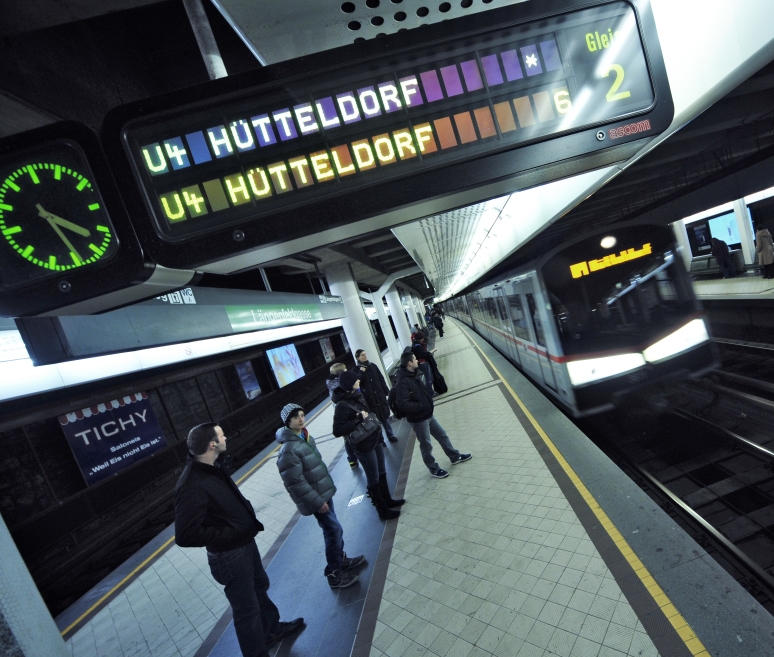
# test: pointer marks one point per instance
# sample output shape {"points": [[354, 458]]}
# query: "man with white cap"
{"points": [[311, 488]]}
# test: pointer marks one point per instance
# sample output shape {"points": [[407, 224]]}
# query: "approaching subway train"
{"points": [[596, 318]]}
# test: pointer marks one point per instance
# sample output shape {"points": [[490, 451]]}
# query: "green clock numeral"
{"points": [[613, 94]]}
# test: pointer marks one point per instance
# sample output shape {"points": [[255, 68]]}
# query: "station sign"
{"points": [[64, 233], [321, 141]]}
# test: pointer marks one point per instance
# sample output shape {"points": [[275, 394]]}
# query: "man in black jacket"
{"points": [[374, 388], [413, 400], [211, 512]]}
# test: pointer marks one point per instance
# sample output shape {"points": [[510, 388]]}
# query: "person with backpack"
{"points": [[423, 358], [311, 488], [351, 411], [375, 390], [411, 399], [332, 382]]}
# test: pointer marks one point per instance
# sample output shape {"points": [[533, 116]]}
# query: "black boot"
{"points": [[385, 513], [384, 489]]}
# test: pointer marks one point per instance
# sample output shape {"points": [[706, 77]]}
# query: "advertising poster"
{"points": [[346, 344], [248, 379], [286, 364], [327, 348], [109, 437]]}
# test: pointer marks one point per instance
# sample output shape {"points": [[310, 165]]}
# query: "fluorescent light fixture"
{"points": [[693, 333], [759, 196], [21, 379], [593, 369], [720, 209]]}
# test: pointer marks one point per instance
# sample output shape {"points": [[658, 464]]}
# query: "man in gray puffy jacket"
{"points": [[311, 488]]}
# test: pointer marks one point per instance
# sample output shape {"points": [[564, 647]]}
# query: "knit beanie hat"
{"points": [[347, 380], [289, 411]]}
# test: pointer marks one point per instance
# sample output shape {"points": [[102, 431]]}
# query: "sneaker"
{"points": [[392, 439], [353, 463], [347, 563], [282, 629], [339, 579], [463, 457], [440, 473]]}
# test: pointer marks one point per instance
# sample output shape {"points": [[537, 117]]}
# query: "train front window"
{"points": [[621, 298]]}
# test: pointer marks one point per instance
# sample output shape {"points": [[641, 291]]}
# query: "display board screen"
{"points": [[286, 364], [725, 228], [223, 161], [248, 379]]}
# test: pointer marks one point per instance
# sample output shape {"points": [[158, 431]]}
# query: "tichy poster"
{"points": [[248, 379], [327, 348], [286, 364], [111, 436]]}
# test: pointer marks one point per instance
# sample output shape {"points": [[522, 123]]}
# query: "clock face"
{"points": [[52, 216]]}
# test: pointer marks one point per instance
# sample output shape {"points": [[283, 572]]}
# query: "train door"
{"points": [[526, 347], [506, 325], [540, 339]]}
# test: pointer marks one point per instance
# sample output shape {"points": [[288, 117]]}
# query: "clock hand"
{"points": [[73, 252], [62, 222]]}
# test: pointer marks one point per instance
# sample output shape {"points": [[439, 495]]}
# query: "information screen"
{"points": [[221, 162]]}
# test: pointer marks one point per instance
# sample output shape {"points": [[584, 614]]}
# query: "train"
{"points": [[597, 319]]}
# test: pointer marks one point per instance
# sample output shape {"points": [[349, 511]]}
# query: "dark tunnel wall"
{"points": [[71, 535]]}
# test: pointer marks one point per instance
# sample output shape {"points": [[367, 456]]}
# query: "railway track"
{"points": [[708, 461]]}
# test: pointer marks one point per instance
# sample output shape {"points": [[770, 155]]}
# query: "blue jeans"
{"points": [[333, 535], [246, 582], [373, 464], [388, 429], [423, 431], [726, 269]]}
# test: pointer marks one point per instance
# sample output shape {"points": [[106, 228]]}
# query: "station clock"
{"points": [[64, 234]]}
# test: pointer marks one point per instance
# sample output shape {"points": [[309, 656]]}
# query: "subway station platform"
{"points": [[742, 287], [537, 546]]}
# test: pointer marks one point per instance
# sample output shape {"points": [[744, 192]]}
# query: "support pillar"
{"points": [[384, 322], [26, 626], [412, 310], [681, 235], [205, 39], [745, 230], [398, 318], [356, 326]]}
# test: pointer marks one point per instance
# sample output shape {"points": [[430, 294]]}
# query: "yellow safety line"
{"points": [[681, 626], [164, 546]]}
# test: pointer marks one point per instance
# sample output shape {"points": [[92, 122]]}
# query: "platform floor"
{"points": [[537, 546], [748, 286]]}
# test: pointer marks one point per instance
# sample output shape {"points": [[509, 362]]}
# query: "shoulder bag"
{"points": [[367, 433]]}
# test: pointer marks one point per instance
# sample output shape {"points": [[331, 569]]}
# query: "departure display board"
{"points": [[254, 154]]}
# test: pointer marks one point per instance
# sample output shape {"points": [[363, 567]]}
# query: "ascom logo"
{"points": [[631, 129]]}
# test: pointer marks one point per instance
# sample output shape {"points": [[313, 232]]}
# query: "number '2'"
{"points": [[619, 78]]}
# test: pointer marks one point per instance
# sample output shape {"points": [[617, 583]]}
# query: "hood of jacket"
{"points": [[285, 435], [352, 396]]}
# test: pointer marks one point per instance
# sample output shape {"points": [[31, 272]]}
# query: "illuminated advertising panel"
{"points": [[286, 364], [255, 154]]}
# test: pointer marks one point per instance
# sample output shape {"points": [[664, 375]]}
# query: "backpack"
{"points": [[392, 400]]}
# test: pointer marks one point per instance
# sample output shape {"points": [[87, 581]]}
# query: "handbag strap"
{"points": [[352, 406]]}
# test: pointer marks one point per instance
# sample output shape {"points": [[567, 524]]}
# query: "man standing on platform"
{"points": [[211, 512], [413, 400], [374, 388]]}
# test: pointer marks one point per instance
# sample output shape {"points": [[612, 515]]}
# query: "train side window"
{"points": [[536, 323], [517, 316]]}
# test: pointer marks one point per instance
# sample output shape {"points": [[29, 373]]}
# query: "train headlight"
{"points": [[693, 333], [593, 369]]}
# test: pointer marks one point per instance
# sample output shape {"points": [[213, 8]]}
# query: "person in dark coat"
{"points": [[723, 257], [423, 358], [413, 400], [351, 409], [438, 323], [332, 382], [375, 390], [211, 512]]}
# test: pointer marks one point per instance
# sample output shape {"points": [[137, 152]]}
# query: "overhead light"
{"points": [[593, 369], [693, 333], [608, 242]]}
